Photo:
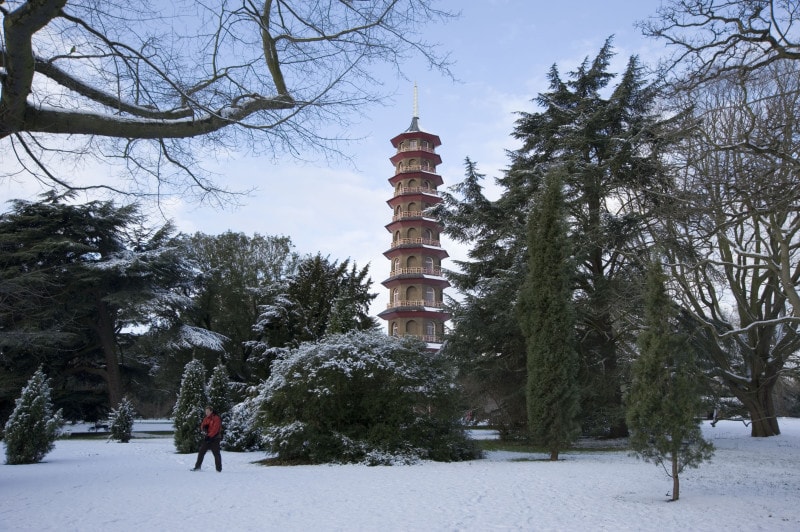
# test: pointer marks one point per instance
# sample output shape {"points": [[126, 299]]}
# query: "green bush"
{"points": [[121, 421], [363, 397], [32, 429]]}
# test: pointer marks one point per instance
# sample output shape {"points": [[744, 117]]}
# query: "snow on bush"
{"points": [[242, 432], [32, 429], [121, 421], [189, 408], [362, 397]]}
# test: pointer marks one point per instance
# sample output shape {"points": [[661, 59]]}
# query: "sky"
{"points": [[94, 485], [501, 49]]}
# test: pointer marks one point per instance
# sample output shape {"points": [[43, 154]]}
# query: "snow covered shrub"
{"points": [[32, 429], [242, 433], [362, 397], [189, 409], [121, 421]]}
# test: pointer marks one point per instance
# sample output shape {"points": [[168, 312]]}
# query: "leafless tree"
{"points": [[709, 38], [736, 265], [155, 86]]}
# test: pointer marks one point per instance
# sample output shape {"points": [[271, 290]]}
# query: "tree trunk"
{"points": [[113, 375], [554, 455], [676, 483], [760, 405]]}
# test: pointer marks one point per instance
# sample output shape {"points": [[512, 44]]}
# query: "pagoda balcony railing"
{"points": [[437, 271], [416, 241], [416, 148], [429, 338], [411, 190], [414, 168], [410, 214], [415, 303]]}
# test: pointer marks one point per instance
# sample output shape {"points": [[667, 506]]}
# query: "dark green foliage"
{"points": [[362, 397], [321, 298], [664, 400], [121, 421], [32, 429], [189, 408], [239, 275], [547, 320], [75, 280], [485, 341], [219, 390], [605, 141]]}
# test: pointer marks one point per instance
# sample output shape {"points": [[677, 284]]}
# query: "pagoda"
{"points": [[415, 281]]}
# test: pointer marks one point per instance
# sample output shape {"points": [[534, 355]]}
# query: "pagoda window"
{"points": [[430, 328], [430, 296], [429, 264]]}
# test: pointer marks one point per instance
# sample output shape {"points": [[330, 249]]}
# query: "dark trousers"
{"points": [[213, 444]]}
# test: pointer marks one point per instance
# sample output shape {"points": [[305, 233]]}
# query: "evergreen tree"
{"points": [[189, 408], [321, 298], [485, 341], [546, 318], [239, 274], [219, 392], [32, 429], [121, 421], [664, 398], [77, 278]]}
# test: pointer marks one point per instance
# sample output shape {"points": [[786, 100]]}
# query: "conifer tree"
{"points": [[32, 429], [121, 421], [189, 408], [219, 392], [664, 398], [546, 318]]}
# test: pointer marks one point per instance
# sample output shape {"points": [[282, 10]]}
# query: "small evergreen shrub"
{"points": [[218, 391], [121, 421], [189, 408], [362, 397], [32, 429]]}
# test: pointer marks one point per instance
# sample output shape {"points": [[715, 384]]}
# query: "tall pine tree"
{"points": [[546, 318], [664, 399]]}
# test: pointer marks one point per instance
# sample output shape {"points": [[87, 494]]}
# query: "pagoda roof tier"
{"points": [[411, 133], [403, 249], [416, 154], [433, 199], [415, 312], [413, 221], [427, 280], [435, 179]]}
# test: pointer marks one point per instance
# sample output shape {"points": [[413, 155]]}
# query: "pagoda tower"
{"points": [[415, 281]]}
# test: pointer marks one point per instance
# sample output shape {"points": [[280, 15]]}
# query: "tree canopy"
{"points": [[137, 81]]}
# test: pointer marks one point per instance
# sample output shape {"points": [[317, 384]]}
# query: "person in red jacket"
{"points": [[211, 428]]}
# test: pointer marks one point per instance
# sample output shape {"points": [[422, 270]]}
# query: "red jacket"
{"points": [[211, 425]]}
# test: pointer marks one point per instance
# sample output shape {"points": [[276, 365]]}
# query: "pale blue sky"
{"points": [[502, 51]]}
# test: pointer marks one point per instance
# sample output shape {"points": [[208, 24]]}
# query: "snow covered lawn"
{"points": [[87, 485]]}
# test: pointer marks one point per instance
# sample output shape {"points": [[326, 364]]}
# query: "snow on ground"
{"points": [[88, 485]]}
